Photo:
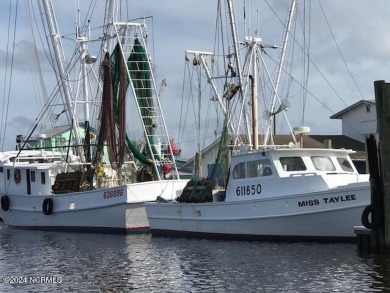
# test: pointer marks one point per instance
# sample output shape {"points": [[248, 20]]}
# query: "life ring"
{"points": [[17, 176], [47, 206], [5, 203], [366, 212]]}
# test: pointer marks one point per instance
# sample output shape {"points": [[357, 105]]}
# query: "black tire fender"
{"points": [[366, 212], [5, 203], [47, 206]]}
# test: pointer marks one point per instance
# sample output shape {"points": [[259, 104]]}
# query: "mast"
{"points": [[200, 55], [198, 157], [291, 15], [253, 44], [253, 79], [84, 57], [108, 22], [233, 28], [46, 8]]}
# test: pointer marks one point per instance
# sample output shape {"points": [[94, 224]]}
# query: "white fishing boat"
{"points": [[89, 181], [273, 192]]}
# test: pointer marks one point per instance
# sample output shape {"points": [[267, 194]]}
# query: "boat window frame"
{"points": [[43, 178], [348, 168], [327, 163], [263, 168], [298, 166], [239, 171]]}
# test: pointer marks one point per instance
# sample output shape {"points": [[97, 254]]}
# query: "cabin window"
{"points": [[8, 174], [345, 165], [259, 168], [43, 178], [368, 108], [323, 163], [239, 171], [32, 175], [1, 169], [292, 164]]}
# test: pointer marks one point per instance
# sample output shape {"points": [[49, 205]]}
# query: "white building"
{"points": [[358, 120]]}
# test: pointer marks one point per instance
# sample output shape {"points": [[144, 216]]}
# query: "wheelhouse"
{"points": [[288, 162]]}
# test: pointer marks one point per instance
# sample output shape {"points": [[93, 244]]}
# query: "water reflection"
{"points": [[141, 263]]}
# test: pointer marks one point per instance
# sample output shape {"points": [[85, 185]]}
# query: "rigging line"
{"points": [[195, 72], [190, 139], [286, 72], [207, 123], [182, 102], [70, 35], [24, 144], [20, 150], [190, 76], [308, 91], [50, 57], [41, 89], [274, 12], [319, 71], [11, 74], [305, 58], [89, 12], [44, 109], [217, 33], [292, 36], [72, 62], [315, 66], [3, 122], [342, 56], [307, 67]]}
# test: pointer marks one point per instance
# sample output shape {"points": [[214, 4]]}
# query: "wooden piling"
{"points": [[378, 236], [377, 199], [382, 98]]}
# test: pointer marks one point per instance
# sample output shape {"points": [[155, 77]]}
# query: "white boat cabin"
{"points": [[34, 174], [288, 171]]}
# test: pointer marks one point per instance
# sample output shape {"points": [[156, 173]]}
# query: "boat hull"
{"points": [[320, 216], [117, 210]]}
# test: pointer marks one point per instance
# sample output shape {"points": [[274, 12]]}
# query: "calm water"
{"points": [[69, 262]]}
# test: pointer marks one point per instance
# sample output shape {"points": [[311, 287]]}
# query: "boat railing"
{"points": [[249, 149]]}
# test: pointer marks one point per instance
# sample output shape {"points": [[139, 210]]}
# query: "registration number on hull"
{"points": [[248, 189], [112, 193]]}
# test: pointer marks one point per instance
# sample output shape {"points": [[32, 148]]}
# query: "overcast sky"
{"points": [[360, 28]]}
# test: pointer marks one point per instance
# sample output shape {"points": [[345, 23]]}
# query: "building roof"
{"points": [[56, 130], [344, 142], [62, 129], [309, 141], [339, 115]]}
